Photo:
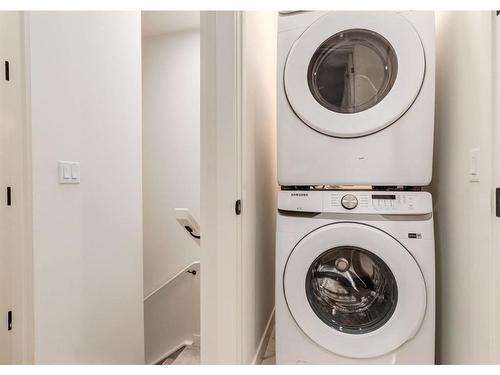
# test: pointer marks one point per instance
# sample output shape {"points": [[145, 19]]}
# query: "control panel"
{"points": [[367, 202]]}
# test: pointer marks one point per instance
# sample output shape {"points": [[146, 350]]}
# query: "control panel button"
{"points": [[349, 201]]}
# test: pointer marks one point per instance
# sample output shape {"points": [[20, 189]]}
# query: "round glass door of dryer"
{"points": [[354, 290], [351, 74], [352, 71]]}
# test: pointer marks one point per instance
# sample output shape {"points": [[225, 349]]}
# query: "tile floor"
{"points": [[190, 354]]}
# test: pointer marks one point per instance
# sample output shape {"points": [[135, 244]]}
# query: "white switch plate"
{"points": [[474, 164], [69, 172]]}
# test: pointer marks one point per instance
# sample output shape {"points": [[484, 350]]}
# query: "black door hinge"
{"points": [[9, 196], [9, 321], [237, 207], [497, 202], [7, 71]]}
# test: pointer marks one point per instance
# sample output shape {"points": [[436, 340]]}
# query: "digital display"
{"points": [[383, 196]]}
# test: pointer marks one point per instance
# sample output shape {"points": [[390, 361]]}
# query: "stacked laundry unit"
{"points": [[355, 263]]}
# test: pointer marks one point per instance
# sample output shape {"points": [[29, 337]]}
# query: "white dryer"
{"points": [[355, 98], [355, 278]]}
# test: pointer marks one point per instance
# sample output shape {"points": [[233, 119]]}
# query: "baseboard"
{"points": [[261, 349]]}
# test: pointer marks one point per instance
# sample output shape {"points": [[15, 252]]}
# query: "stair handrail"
{"points": [[184, 270]]}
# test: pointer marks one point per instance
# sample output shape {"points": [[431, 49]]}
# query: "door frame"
{"points": [[221, 187], [491, 115], [20, 242]]}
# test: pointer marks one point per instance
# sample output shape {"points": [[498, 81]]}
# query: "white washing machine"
{"points": [[355, 278], [355, 98]]}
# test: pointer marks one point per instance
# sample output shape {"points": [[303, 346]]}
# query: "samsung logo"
{"points": [[300, 195]]}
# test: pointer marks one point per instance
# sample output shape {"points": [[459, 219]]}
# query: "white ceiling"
{"points": [[161, 22]]}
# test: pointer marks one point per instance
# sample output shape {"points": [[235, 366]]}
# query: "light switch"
{"points": [[474, 164], [66, 171], [75, 171], [69, 172]]}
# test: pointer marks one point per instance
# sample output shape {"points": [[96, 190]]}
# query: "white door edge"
{"points": [[220, 141]]}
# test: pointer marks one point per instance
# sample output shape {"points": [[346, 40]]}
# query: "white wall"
{"points": [[85, 72], [171, 151], [463, 209], [157, 22], [172, 316], [259, 175]]}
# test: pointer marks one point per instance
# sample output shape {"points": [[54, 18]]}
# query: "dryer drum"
{"points": [[352, 71]]}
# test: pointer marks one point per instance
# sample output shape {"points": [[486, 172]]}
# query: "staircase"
{"points": [[190, 355], [186, 355]]}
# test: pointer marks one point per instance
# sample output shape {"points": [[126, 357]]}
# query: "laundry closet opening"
{"points": [[171, 186]]}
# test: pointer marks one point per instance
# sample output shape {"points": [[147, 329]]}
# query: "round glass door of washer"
{"points": [[351, 290], [354, 290]]}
